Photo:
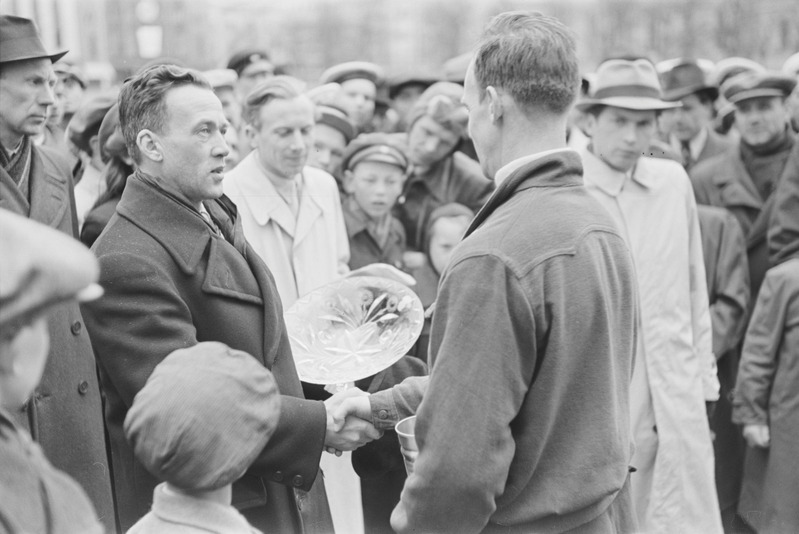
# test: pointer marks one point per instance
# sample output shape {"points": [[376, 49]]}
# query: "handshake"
{"points": [[349, 421]]}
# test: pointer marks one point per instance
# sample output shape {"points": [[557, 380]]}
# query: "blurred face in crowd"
{"points": [[26, 94], [191, 150], [358, 96], [405, 99], [445, 235], [23, 354], [687, 121], [376, 186], [761, 119], [793, 106], [284, 136], [253, 74], [619, 136], [69, 92], [429, 142], [230, 104], [328, 149]]}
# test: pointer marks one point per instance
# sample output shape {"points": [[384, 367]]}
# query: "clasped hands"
{"points": [[349, 421]]}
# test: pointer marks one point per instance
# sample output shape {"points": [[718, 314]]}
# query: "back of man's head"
{"points": [[532, 57], [277, 87], [142, 103]]}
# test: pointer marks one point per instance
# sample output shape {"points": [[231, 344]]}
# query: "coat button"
{"points": [[76, 327], [382, 414], [278, 476], [83, 387], [297, 481]]}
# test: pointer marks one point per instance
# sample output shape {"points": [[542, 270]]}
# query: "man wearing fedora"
{"points": [[64, 415], [691, 134], [743, 179], [675, 373]]}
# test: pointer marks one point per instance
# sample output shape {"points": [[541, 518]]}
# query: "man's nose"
{"points": [[46, 95]]}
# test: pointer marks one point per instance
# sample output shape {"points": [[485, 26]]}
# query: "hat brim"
{"points": [[52, 57], [679, 94], [636, 103], [756, 93]]}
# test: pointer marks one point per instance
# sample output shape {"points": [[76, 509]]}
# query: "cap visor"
{"points": [[629, 102]]}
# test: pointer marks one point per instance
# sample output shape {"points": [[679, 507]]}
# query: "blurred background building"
{"points": [[113, 38]]}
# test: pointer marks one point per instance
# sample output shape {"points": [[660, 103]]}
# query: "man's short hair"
{"points": [[277, 87], [532, 57], [142, 104]]}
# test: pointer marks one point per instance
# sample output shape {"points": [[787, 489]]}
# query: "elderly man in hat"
{"points": [[743, 180], [675, 373], [524, 424], [42, 268], [64, 415], [691, 134], [440, 174], [178, 271], [359, 81]]}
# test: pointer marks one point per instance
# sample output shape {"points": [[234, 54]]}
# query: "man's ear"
{"points": [[94, 144], [348, 182], [149, 145], [496, 108], [587, 124]]}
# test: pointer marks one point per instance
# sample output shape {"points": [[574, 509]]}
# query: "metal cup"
{"points": [[407, 437]]}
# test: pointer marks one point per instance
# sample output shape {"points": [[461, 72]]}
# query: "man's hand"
{"points": [[345, 430], [757, 435]]}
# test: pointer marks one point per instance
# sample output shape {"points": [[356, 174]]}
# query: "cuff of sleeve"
{"points": [[384, 409]]}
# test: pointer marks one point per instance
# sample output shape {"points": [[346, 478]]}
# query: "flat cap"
{"points": [[112, 142], [243, 59], [70, 71], [336, 118], [41, 267], [399, 81], [757, 84], [204, 415], [86, 121], [378, 147], [353, 70]]}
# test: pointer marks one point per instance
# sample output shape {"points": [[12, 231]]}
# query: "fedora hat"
{"points": [[627, 84], [19, 40], [686, 78]]}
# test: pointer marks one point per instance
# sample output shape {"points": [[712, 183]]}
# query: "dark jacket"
{"points": [[714, 146], [724, 252], [65, 414], [454, 179], [767, 393], [364, 249], [524, 424], [170, 282], [96, 221], [783, 233]]}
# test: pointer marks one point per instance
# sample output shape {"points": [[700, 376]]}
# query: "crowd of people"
{"points": [[609, 262]]}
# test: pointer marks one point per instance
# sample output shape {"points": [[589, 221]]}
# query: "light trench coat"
{"points": [[302, 254], [656, 212], [320, 249]]}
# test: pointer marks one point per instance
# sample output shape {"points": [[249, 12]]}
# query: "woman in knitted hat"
{"points": [[437, 127]]}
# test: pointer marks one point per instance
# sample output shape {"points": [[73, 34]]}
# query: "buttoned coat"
{"points": [[171, 282], [724, 253], [767, 393], [65, 414], [319, 244], [714, 145]]}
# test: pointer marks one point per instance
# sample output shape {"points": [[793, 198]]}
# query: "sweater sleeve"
{"points": [[477, 382]]}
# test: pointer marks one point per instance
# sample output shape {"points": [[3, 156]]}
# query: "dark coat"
{"points": [[364, 250], [724, 253], [65, 414], [714, 146], [767, 393], [783, 233], [170, 282], [96, 221], [723, 181]]}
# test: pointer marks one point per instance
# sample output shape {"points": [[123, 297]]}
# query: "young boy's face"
{"points": [[375, 186], [445, 234]]}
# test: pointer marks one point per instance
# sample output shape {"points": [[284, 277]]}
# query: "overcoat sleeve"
{"points": [[759, 356], [783, 233], [728, 312], [479, 379]]}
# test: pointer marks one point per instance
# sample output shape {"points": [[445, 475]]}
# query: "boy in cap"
{"points": [[375, 169], [651, 202], [202, 418], [359, 82], [41, 268], [332, 133]]}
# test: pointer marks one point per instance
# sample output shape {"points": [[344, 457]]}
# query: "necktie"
{"points": [[686, 153]]}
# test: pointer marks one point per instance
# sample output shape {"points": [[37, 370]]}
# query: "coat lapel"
{"points": [[310, 210], [736, 187], [50, 195], [11, 198]]}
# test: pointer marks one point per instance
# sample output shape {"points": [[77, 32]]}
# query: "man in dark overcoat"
{"points": [[177, 271], [65, 414]]}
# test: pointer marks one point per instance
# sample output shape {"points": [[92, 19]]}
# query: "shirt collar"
{"points": [[599, 174], [507, 169]]}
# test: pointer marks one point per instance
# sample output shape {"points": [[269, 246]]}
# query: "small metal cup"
{"points": [[407, 437]]}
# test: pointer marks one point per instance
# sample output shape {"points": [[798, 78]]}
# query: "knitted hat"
{"points": [[204, 415]]}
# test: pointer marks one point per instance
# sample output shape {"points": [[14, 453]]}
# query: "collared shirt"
{"points": [[507, 169], [87, 191], [695, 145], [176, 513]]}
